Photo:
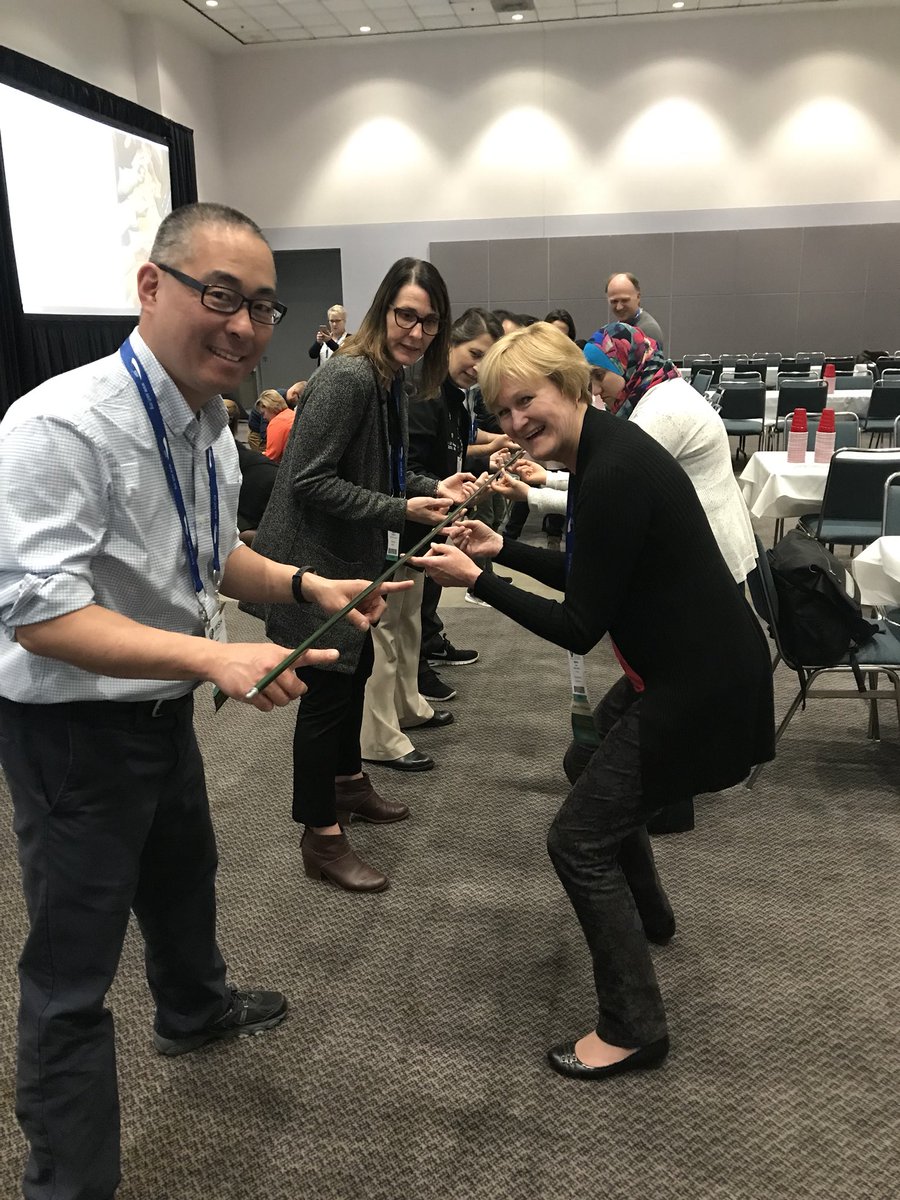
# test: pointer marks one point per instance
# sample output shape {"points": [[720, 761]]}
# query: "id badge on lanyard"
{"points": [[208, 606]]}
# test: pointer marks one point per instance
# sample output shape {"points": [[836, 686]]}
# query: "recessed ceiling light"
{"points": [[212, 3], [365, 29], [678, 4], [518, 16]]}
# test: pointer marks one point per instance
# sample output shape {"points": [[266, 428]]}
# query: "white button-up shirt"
{"points": [[86, 517]]}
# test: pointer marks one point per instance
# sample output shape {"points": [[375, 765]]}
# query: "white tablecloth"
{"points": [[856, 401], [773, 487], [877, 571]]}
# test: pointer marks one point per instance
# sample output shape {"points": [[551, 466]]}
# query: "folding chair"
{"points": [[890, 519], [884, 408], [811, 394], [881, 655], [853, 505], [742, 408]]}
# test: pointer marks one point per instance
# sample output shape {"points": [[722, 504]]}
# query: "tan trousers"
{"points": [[393, 702]]}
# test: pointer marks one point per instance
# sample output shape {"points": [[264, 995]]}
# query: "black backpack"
{"points": [[819, 616]]}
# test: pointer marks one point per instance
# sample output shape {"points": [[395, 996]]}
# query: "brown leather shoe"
{"points": [[356, 799], [331, 857]]}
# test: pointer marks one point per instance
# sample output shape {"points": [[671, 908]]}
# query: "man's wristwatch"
{"points": [[297, 585]]}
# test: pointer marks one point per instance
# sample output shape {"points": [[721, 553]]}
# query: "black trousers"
{"points": [[326, 736], [111, 815], [599, 846], [432, 625]]}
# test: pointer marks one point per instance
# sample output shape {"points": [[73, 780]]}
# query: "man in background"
{"points": [[623, 293]]}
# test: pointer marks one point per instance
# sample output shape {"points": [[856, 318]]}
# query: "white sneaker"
{"points": [[471, 598]]}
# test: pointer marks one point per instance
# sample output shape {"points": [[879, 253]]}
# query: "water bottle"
{"points": [[825, 437], [799, 432]]}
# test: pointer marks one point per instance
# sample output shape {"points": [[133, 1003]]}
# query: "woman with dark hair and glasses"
{"points": [[342, 495]]}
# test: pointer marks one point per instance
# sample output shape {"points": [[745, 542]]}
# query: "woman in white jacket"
{"points": [[635, 379]]}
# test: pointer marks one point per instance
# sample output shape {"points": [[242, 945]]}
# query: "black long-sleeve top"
{"points": [[645, 567]]}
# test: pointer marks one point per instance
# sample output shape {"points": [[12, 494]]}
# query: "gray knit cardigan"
{"points": [[331, 505]]}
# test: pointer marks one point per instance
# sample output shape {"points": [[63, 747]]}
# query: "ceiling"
{"points": [[231, 24]]}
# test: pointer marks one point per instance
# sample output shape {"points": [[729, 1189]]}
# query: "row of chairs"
{"points": [[762, 359], [742, 406]]}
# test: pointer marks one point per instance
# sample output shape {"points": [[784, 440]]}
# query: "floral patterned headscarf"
{"points": [[630, 353]]}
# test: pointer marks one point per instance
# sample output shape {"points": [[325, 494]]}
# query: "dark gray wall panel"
{"points": [[765, 324], [881, 321], [705, 264], [464, 267], [832, 319], [835, 257], [703, 323], [577, 266], [519, 268], [768, 261]]}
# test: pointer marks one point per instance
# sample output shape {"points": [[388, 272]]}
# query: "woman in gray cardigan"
{"points": [[340, 501]]}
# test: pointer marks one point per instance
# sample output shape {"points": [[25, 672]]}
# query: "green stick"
{"points": [[219, 696]]}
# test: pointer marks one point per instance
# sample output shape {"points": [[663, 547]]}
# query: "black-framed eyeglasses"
{"points": [[408, 318], [226, 300]]}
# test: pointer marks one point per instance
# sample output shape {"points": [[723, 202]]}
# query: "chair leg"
{"points": [[874, 730], [786, 720]]}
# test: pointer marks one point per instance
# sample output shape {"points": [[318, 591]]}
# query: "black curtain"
{"points": [[32, 348]]}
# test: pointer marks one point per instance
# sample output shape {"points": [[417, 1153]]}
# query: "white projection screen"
{"points": [[85, 201]]}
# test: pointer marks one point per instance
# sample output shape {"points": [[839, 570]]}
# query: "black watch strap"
{"points": [[297, 585]]}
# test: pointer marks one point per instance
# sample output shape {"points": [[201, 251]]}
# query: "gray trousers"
{"points": [[599, 846], [111, 816]]}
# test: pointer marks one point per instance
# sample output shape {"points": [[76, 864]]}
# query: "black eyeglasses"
{"points": [[408, 318], [226, 300]]}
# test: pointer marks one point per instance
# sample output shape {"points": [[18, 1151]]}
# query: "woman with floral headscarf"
{"points": [[635, 380]]}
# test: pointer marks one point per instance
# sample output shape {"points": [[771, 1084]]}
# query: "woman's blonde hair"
{"points": [[338, 310], [540, 351], [271, 401]]}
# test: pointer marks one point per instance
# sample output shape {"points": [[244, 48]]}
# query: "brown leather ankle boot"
{"points": [[330, 856], [356, 799]]}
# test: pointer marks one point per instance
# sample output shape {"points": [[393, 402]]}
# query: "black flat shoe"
{"points": [[565, 1061], [414, 761], [441, 717], [660, 935]]}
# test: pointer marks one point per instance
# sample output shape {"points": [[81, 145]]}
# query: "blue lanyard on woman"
{"points": [[395, 443], [151, 405]]}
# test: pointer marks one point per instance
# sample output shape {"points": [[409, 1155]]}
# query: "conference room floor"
{"points": [[411, 1066]]}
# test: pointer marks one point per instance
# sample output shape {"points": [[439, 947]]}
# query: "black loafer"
{"points": [[441, 717], [414, 761], [565, 1061], [662, 934]]}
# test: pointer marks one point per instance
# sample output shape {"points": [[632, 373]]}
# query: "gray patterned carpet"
{"points": [[411, 1067]]}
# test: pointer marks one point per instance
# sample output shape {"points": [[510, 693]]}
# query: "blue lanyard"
{"points": [[470, 409], [151, 405], [398, 454]]}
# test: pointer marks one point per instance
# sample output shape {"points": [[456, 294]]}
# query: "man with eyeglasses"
{"points": [[118, 486]]}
